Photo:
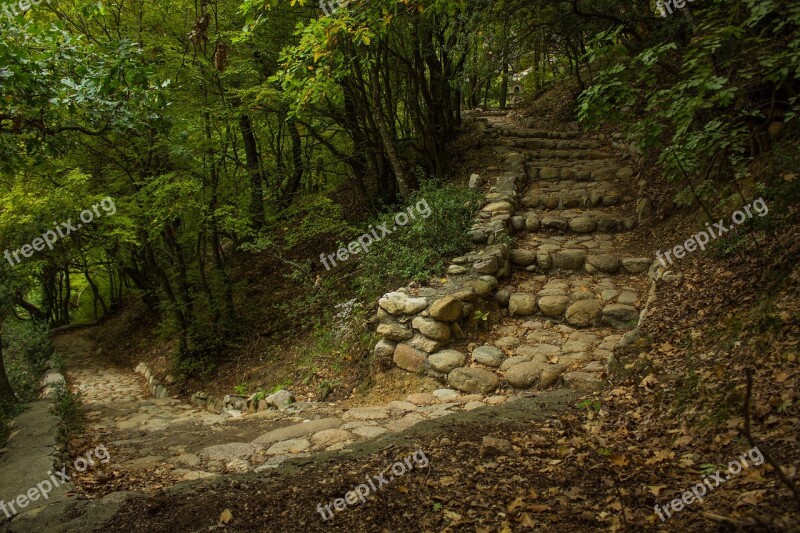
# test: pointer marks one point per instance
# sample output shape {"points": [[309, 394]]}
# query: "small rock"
{"points": [[446, 309], [473, 380], [422, 398], [447, 360], [522, 304], [491, 447], [489, 356], [584, 313], [289, 446]]}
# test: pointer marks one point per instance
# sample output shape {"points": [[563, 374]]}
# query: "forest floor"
{"points": [[677, 411]]}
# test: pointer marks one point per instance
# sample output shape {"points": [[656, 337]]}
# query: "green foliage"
{"points": [[283, 385], [26, 349], [701, 95], [68, 409], [421, 249], [242, 389], [590, 404], [311, 217], [199, 365]]}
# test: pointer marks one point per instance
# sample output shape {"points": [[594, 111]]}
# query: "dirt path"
{"points": [[157, 443]]}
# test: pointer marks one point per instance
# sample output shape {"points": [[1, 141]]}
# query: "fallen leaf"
{"points": [[226, 516], [618, 460]]}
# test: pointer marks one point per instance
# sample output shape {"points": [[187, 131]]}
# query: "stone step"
{"points": [[568, 194], [573, 155], [527, 353], [574, 221], [549, 258], [552, 171], [581, 309], [504, 131], [550, 144]]}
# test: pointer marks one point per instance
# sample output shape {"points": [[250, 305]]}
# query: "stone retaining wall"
{"points": [[417, 324]]}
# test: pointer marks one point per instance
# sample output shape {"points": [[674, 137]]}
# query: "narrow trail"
{"points": [[574, 291]]}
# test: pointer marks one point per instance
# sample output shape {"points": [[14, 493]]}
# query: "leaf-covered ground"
{"points": [[672, 416]]}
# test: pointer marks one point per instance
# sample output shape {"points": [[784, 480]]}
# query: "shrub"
{"points": [[27, 348], [421, 249]]}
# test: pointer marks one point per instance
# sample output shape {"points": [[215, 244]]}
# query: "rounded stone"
{"points": [[584, 313], [409, 358], [604, 263], [522, 258], [473, 380], [489, 356], [582, 224], [550, 375], [432, 329], [446, 309], [329, 437], [620, 316], [522, 304], [553, 306], [525, 374], [503, 297], [569, 259], [532, 223], [447, 360]]}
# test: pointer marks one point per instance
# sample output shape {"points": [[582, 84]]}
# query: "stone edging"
{"points": [[158, 389]]}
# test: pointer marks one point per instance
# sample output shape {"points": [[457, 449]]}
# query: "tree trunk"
{"points": [[254, 170], [293, 185], [389, 144]]}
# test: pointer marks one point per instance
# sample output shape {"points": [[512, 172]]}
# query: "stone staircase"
{"points": [[553, 267]]}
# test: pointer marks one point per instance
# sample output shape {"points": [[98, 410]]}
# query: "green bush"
{"points": [[68, 409], [26, 348], [422, 248]]}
